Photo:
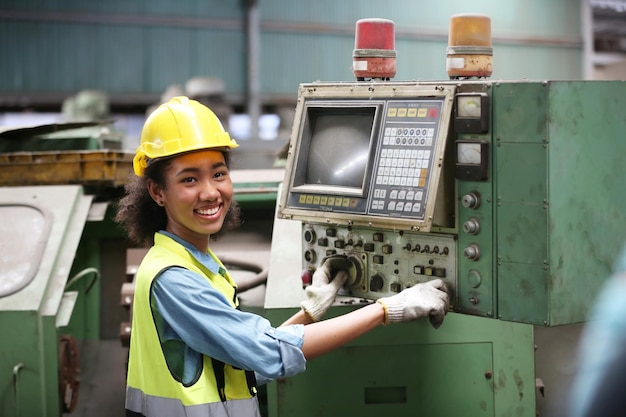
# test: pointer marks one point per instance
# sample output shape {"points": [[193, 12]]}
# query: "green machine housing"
{"points": [[511, 192], [57, 241], [40, 235]]}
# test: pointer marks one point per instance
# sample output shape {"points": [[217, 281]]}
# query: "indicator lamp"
{"points": [[374, 54], [469, 52]]}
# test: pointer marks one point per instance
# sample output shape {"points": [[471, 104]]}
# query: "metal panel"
{"points": [[401, 370], [521, 217], [522, 233], [29, 359], [559, 212], [587, 198], [523, 292], [521, 193], [477, 285], [406, 383], [59, 202], [22, 246], [526, 164], [520, 112]]}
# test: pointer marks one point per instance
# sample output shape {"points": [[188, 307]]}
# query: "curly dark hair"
{"points": [[141, 217]]}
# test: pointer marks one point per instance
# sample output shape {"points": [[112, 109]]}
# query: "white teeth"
{"points": [[208, 212]]}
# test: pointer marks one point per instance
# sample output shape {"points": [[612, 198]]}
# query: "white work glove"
{"points": [[428, 299], [320, 295]]}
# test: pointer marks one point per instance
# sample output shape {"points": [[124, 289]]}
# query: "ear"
{"points": [[156, 192]]}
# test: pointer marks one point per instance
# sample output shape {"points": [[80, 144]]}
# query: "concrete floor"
{"points": [[103, 379]]}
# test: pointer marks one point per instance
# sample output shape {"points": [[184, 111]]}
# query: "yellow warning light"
{"points": [[469, 51], [470, 30]]}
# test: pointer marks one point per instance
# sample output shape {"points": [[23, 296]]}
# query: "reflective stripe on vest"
{"points": [[150, 384], [147, 405]]}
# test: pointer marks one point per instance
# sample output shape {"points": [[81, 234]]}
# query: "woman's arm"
{"points": [[325, 336], [301, 317], [428, 299]]}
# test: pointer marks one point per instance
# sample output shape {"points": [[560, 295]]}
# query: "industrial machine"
{"points": [[38, 246], [56, 183], [509, 191]]}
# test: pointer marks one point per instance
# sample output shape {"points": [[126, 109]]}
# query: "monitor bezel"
{"points": [[297, 183]]}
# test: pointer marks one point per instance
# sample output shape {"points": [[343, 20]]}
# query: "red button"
{"points": [[307, 278]]}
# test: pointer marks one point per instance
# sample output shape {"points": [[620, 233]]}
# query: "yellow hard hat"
{"points": [[178, 126]]}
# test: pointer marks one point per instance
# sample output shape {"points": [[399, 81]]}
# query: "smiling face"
{"points": [[197, 195]]}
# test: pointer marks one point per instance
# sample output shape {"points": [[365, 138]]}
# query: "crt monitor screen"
{"points": [[339, 147]]}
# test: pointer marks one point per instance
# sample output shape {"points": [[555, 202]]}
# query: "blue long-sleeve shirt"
{"points": [[194, 319]]}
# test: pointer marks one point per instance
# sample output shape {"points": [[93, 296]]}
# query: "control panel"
{"points": [[382, 262], [406, 156], [472, 182]]}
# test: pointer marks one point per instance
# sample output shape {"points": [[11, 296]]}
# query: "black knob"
{"points": [[376, 282]]}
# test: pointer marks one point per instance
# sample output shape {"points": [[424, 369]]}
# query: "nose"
{"points": [[209, 191]]}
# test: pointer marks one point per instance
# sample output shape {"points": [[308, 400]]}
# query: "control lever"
{"points": [[436, 320], [337, 263]]}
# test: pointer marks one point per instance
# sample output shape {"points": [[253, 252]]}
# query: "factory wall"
{"points": [[135, 49]]}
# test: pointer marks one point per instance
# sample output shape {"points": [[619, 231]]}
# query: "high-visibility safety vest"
{"points": [[151, 389]]}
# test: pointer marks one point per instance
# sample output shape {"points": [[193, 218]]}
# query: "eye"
{"points": [[188, 180], [221, 174]]}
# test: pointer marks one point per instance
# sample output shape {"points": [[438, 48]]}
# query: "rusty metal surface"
{"points": [[97, 167]]}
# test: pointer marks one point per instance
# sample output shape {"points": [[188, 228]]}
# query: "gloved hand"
{"points": [[324, 287], [421, 300]]}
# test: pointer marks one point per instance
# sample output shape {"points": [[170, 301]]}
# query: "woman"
{"points": [[192, 351]]}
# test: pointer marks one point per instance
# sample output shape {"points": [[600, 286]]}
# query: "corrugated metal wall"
{"points": [[531, 38], [138, 48]]}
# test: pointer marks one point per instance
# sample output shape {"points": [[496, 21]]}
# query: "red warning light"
{"points": [[374, 54]]}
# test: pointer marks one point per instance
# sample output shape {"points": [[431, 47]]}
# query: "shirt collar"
{"points": [[205, 259]]}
